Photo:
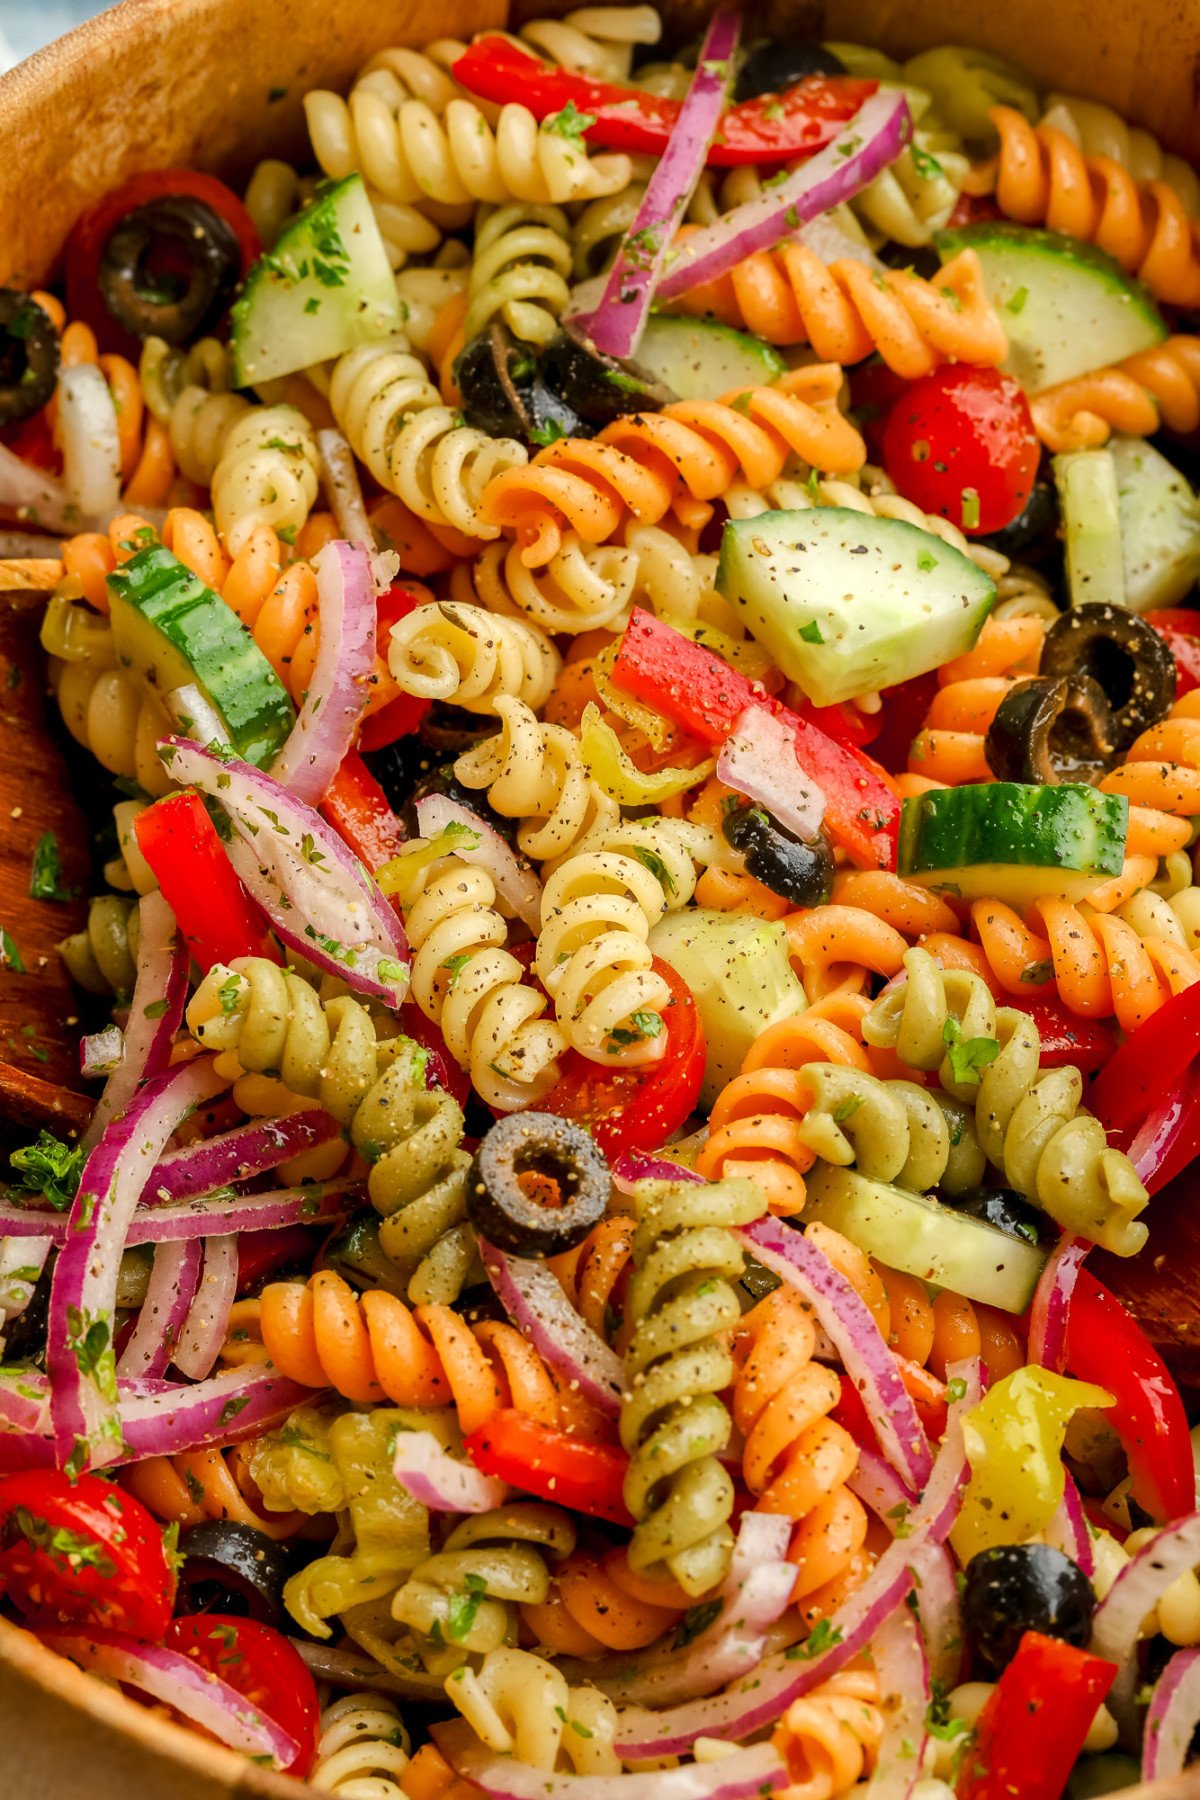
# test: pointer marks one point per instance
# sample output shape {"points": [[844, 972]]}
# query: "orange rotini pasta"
{"points": [[207, 1484], [829, 1737], [1158, 386], [598, 1603]]}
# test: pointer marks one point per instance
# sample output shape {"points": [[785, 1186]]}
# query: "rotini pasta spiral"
{"points": [[371, 1347], [536, 773], [1041, 178], [829, 1737], [950, 744], [110, 712], [416, 447], [1159, 386], [593, 958], [473, 988], [102, 958], [1029, 1124], [796, 1460], [362, 1749], [520, 1704], [597, 1603], [847, 311], [672, 1422], [462, 653], [1099, 131], [518, 272], [499, 1556], [595, 40], [266, 473], [582, 588], [678, 459], [196, 1485], [593, 1274]]}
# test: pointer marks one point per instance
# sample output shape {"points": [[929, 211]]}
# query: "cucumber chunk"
{"points": [[699, 359], [1067, 308], [1004, 841], [1091, 525], [169, 629], [326, 286], [741, 980], [1160, 526], [918, 1236], [845, 602]]}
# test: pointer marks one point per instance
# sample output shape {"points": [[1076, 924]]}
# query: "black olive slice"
{"points": [[537, 1186], [169, 268], [449, 730], [598, 388], [231, 1568], [798, 869], [28, 357], [1014, 1588], [1037, 519], [495, 377], [1124, 655], [1048, 730], [443, 780], [1004, 1208], [773, 68]]}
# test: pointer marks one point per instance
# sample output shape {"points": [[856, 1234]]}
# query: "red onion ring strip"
{"points": [[440, 1481], [758, 759], [759, 1699], [319, 898], [22, 1260], [235, 1155], [878, 1486], [1171, 1720], [844, 1315], [1051, 1302], [84, 1291], [1068, 1529], [516, 883], [633, 1166], [337, 697], [742, 1776], [532, 1297], [90, 439], [178, 1219], [180, 1682], [940, 1613], [154, 1011], [1117, 1621], [617, 324], [208, 1319], [169, 1295], [899, 1657], [339, 478], [33, 495]]}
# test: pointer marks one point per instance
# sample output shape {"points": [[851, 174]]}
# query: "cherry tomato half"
{"points": [[82, 1552], [637, 1109], [1179, 628], [960, 444], [263, 1667]]}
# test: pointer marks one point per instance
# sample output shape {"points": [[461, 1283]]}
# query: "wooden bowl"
{"points": [[216, 84]]}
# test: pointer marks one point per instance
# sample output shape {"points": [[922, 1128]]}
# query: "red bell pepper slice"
{"points": [[540, 1459], [844, 723], [771, 128], [261, 1253], [1034, 1723], [1179, 629], [361, 813], [1105, 1344], [637, 1109], [216, 915], [401, 716], [1151, 1063], [1065, 1038], [698, 691]]}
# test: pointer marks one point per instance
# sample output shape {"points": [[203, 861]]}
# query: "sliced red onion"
{"points": [[758, 759], [204, 1329], [1172, 1718], [633, 1166], [102, 1052], [317, 895], [235, 1155], [335, 702], [874, 138], [1068, 1529], [533, 1298], [22, 1260], [878, 1486], [940, 1613], [741, 1776], [1117, 1621], [34, 495], [899, 1657], [84, 1291], [24, 1396], [27, 545], [198, 1217], [195, 716], [758, 1700], [867, 1359], [755, 1593], [516, 883], [339, 478], [169, 1295], [440, 1481], [1051, 1303], [155, 1011], [619, 320], [179, 1681], [91, 444]]}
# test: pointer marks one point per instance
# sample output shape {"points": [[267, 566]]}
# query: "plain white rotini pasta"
{"points": [[520, 1704], [519, 271], [110, 712], [413, 444], [595, 40], [582, 588], [362, 1750], [266, 474], [535, 772], [445, 651], [273, 193], [1099, 131]]}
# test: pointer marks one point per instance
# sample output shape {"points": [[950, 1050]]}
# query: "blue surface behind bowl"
{"points": [[25, 25]]}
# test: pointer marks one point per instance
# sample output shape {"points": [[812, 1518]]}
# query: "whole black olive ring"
{"points": [[537, 1186], [174, 307], [28, 357], [1124, 655], [773, 68], [229, 1567], [1050, 729]]}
